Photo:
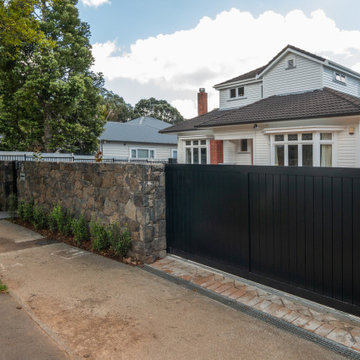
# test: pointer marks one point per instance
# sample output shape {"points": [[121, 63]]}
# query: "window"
{"points": [[174, 153], [306, 149], [237, 92], [290, 64], [141, 153], [340, 77], [243, 145], [196, 152]]}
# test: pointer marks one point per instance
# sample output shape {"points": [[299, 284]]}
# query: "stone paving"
{"points": [[317, 319]]}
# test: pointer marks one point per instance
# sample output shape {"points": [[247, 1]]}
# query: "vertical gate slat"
{"points": [[285, 258], [300, 238], [337, 238], [327, 231], [356, 241], [318, 235], [269, 243], [277, 226], [309, 232], [347, 236], [292, 229]]}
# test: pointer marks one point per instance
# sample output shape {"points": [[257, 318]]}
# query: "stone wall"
{"points": [[131, 194]]}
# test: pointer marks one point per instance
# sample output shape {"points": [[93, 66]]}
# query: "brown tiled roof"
{"points": [[191, 124], [252, 74], [308, 105]]}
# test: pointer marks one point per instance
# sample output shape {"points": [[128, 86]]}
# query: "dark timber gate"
{"points": [[296, 229]]}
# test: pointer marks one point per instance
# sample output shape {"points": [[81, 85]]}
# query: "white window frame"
{"points": [[236, 97], [339, 77], [142, 148], [315, 142], [172, 153], [199, 146]]}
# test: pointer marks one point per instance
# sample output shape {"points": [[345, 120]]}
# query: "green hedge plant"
{"points": [[99, 235], [60, 220], [80, 230], [120, 239], [39, 220]]}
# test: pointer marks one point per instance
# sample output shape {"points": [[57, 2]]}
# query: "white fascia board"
{"points": [[275, 61], [237, 83], [297, 129], [195, 136]]}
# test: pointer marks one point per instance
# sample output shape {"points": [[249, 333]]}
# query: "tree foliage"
{"points": [[49, 97], [159, 109], [114, 107]]}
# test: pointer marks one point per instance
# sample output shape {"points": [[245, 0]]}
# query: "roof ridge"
{"points": [[349, 98]]}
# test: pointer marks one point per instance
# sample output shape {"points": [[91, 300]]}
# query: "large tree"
{"points": [[50, 97], [114, 107], [159, 109]]}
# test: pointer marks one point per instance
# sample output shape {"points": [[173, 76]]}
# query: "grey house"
{"points": [[138, 139]]}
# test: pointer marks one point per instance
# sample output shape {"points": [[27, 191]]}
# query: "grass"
{"points": [[2, 287]]}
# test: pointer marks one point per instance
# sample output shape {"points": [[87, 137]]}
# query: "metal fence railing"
{"points": [[54, 157]]}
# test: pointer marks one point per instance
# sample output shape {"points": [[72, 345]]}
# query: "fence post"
{"points": [[24, 157]]}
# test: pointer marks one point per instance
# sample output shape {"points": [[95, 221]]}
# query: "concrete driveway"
{"points": [[101, 309]]}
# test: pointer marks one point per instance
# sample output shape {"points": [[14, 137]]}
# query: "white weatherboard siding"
{"points": [[351, 87], [346, 147], [122, 150], [262, 148], [306, 76], [232, 154], [252, 93]]}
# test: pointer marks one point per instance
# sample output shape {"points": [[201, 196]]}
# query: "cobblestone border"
{"points": [[256, 302]]}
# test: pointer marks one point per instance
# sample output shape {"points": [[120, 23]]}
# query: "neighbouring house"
{"points": [[138, 139], [300, 109]]}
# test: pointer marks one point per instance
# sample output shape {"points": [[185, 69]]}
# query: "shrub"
{"points": [[12, 205], [21, 209], [120, 239], [60, 220], [99, 235], [3, 287], [25, 210], [39, 217], [80, 230]]}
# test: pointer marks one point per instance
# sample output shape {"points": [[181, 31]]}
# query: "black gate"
{"points": [[296, 229]]}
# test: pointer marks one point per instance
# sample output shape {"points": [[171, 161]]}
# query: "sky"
{"points": [[168, 49]]}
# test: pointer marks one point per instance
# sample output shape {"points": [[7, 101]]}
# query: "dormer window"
{"points": [[290, 63], [340, 77], [237, 92]]}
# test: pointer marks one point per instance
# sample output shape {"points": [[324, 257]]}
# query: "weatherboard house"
{"points": [[300, 109], [138, 139]]}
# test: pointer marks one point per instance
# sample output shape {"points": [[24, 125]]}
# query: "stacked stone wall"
{"points": [[132, 194]]}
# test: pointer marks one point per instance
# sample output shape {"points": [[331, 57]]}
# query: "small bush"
{"points": [[120, 239], [60, 220], [99, 236], [80, 230], [26, 210], [12, 205], [21, 209], [39, 217]]}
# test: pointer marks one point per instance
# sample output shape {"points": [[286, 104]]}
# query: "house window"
{"points": [[196, 151], [142, 153], [243, 145], [237, 92], [174, 153], [290, 64], [340, 77], [307, 149]]}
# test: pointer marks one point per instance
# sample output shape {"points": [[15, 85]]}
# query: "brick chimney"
{"points": [[202, 102]]}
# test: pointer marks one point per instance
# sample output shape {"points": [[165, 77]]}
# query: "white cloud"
{"points": [[95, 3], [218, 49]]}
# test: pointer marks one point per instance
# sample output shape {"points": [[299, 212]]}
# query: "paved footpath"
{"points": [[97, 308], [20, 337], [326, 323]]}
